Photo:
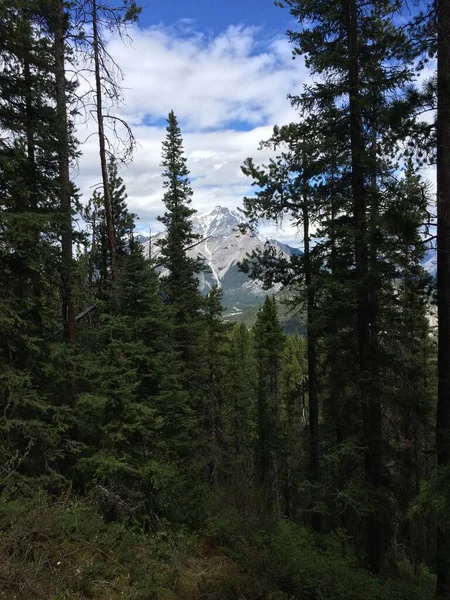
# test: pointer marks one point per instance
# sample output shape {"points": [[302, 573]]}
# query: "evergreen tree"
{"points": [[293, 421], [287, 188], [94, 214], [180, 285], [354, 46], [34, 424], [121, 411], [185, 307], [92, 19], [216, 353], [123, 220], [443, 276], [58, 24], [239, 412], [269, 342]]}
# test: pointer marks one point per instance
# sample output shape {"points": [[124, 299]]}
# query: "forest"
{"points": [[151, 449]]}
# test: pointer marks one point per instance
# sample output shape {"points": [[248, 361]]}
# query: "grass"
{"points": [[64, 550]]}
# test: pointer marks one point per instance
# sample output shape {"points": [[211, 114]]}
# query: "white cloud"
{"points": [[227, 91], [208, 82]]}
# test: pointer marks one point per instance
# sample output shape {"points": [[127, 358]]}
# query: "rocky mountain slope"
{"points": [[221, 248]]}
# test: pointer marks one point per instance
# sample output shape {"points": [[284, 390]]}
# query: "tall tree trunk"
{"points": [[370, 407], [314, 449], [102, 144], [65, 187], [334, 393], [443, 280], [374, 434], [31, 176]]}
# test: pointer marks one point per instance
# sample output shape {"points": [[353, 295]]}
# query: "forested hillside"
{"points": [[151, 449]]}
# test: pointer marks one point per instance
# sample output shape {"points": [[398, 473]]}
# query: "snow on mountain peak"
{"points": [[219, 221], [222, 245]]}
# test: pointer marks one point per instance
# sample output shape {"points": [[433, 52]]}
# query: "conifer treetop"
{"points": [[175, 174]]}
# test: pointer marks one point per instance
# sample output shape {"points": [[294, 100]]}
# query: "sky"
{"points": [[225, 67]]}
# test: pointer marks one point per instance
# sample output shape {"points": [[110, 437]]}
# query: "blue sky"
{"points": [[216, 15], [225, 67]]}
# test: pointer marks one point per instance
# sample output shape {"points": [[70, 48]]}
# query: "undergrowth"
{"points": [[65, 550], [60, 550], [299, 564]]}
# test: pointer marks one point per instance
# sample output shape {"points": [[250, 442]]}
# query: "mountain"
{"points": [[430, 262], [222, 247]]}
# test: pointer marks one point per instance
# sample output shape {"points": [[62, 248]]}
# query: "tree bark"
{"points": [[31, 178], [65, 188], [102, 144], [334, 393], [443, 279], [371, 412], [313, 403], [376, 525]]}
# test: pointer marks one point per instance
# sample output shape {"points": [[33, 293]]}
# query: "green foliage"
{"points": [[239, 409], [161, 418], [269, 341], [180, 284], [121, 412], [64, 549], [303, 564], [35, 411], [124, 223], [433, 499]]}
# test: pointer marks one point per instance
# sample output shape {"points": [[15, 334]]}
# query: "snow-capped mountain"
{"points": [[430, 262], [222, 246]]}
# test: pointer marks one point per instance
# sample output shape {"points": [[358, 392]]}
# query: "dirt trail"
{"points": [[213, 576]]}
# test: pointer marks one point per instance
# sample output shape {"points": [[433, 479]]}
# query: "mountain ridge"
{"points": [[222, 246]]}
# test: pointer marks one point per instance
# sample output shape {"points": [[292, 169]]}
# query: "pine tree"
{"points": [[287, 189], [293, 422], [353, 45], [269, 342], [124, 224], [92, 19], [180, 285], [58, 23], [239, 412], [123, 220], [33, 427], [443, 276], [122, 413], [216, 354]]}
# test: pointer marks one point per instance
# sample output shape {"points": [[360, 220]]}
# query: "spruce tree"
{"points": [[216, 353], [180, 284], [124, 224], [121, 410], [58, 24], [443, 276], [185, 308], [34, 410], [239, 412], [293, 423], [269, 342], [123, 220], [354, 46]]}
